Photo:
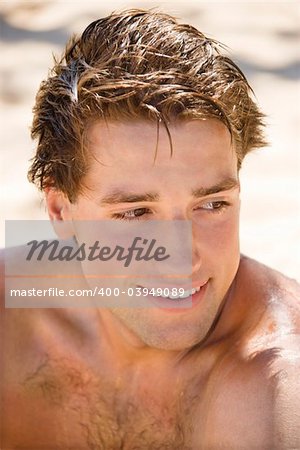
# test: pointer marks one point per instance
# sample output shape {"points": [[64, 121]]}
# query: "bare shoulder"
{"points": [[274, 294], [45, 354], [260, 373], [279, 351], [271, 314], [257, 273], [253, 394]]}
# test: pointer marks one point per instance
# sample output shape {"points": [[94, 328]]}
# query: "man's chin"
{"points": [[152, 331]]}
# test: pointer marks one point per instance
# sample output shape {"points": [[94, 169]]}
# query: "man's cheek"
{"points": [[221, 236]]}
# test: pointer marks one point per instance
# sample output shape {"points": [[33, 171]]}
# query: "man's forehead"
{"points": [[102, 131], [129, 162], [140, 144]]}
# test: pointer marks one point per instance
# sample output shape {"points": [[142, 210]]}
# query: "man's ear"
{"points": [[60, 212], [58, 205]]}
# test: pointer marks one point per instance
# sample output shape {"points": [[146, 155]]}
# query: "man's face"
{"points": [[198, 183]]}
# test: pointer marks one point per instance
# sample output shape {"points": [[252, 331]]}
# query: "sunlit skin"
{"points": [[224, 374], [203, 158]]}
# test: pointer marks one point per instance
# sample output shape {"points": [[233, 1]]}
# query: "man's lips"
{"points": [[186, 287], [183, 303], [173, 294]]}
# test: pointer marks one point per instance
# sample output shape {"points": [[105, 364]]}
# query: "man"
{"points": [[145, 119]]}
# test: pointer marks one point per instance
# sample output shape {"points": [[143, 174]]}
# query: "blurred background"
{"points": [[263, 38]]}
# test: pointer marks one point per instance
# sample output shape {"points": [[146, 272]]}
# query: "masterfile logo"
{"points": [[110, 261], [52, 251]]}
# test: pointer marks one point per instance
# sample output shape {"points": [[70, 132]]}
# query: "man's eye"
{"points": [[214, 206], [133, 214]]}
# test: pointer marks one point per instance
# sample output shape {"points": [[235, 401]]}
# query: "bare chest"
{"points": [[85, 411]]}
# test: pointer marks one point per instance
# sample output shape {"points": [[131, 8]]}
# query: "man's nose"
{"points": [[191, 245], [185, 257], [196, 254]]}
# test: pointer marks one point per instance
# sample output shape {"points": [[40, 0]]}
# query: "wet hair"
{"points": [[135, 64]]}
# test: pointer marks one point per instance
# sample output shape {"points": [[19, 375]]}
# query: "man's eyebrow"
{"points": [[224, 185], [118, 196]]}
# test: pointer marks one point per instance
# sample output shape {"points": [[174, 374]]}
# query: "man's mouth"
{"points": [[170, 297], [170, 293]]}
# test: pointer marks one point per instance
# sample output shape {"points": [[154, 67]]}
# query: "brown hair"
{"points": [[135, 64]]}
